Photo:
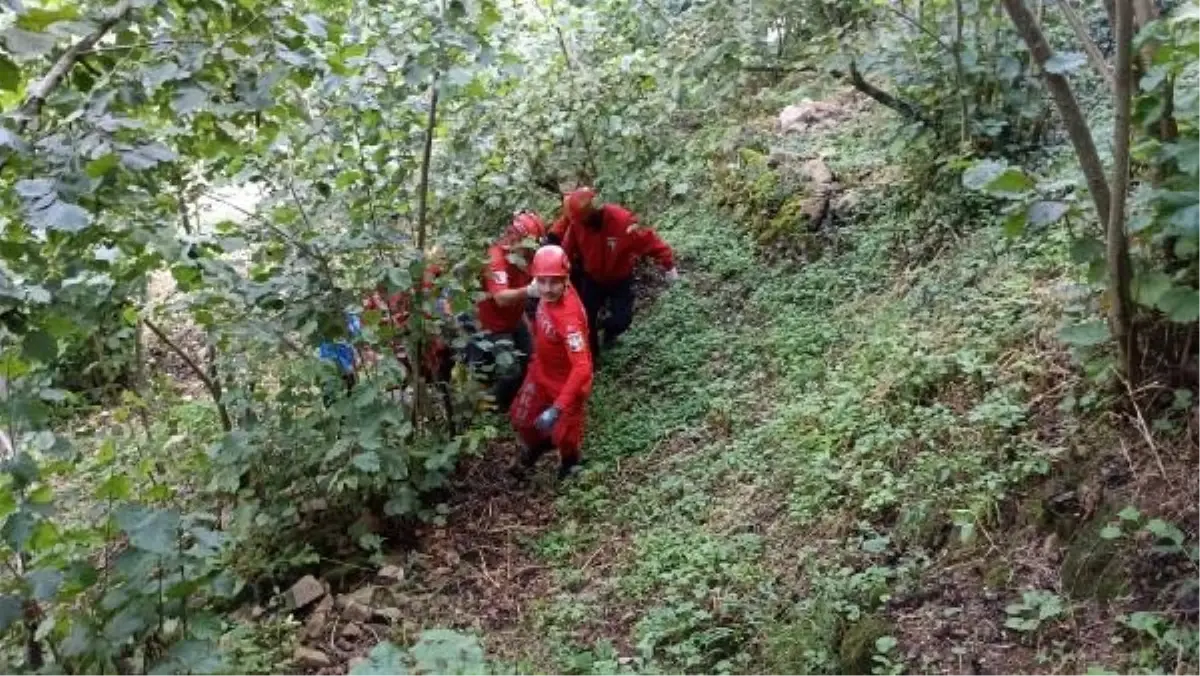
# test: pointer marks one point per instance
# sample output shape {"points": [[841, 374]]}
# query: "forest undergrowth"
{"points": [[882, 460]]}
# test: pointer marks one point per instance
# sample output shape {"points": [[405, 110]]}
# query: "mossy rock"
{"points": [[857, 646]]}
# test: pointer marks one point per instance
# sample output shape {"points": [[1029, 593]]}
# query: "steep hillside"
{"points": [[872, 462]]}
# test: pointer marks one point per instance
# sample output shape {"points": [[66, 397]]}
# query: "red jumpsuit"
{"points": [[396, 310], [560, 376], [501, 275], [609, 252]]}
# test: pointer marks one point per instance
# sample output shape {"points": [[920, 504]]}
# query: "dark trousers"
{"points": [[484, 355], [617, 298]]}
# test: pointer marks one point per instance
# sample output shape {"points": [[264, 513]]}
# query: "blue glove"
{"points": [[545, 421]]}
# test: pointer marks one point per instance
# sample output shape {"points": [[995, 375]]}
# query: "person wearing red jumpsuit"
{"points": [[606, 242], [551, 407], [501, 324]]}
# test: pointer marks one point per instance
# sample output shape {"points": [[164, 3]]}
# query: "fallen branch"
{"points": [[905, 108], [213, 387]]}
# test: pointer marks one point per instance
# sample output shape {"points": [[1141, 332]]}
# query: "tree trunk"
{"points": [[959, 76], [1068, 109], [418, 314], [1120, 312]]}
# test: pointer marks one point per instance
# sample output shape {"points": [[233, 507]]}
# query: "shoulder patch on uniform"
{"points": [[575, 341]]}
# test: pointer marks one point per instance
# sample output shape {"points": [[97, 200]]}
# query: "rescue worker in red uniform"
{"points": [[552, 405], [437, 362], [501, 326], [606, 242]]}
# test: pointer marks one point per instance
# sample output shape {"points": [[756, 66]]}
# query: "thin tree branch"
{"points": [[417, 314], [304, 248], [213, 387], [919, 26], [1068, 109], [905, 108], [1089, 45], [38, 93]]}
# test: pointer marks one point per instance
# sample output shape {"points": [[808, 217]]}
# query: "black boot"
{"points": [[566, 468], [527, 459]]}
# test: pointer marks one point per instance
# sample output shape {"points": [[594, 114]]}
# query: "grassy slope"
{"points": [[779, 458]]}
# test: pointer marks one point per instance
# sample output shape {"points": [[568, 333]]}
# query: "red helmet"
{"points": [[577, 203], [550, 261], [526, 224]]}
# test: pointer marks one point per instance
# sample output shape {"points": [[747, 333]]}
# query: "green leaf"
{"points": [[10, 611], [149, 529], [1014, 225], [1186, 219], [1149, 287], [982, 173], [367, 461], [1110, 532], [1087, 334], [997, 178], [347, 178], [441, 651], [64, 217], [102, 165], [147, 156], [155, 77], [1010, 181], [45, 535], [1042, 213], [1129, 513], [188, 100], [78, 641], [385, 658], [123, 625], [116, 487], [1062, 63], [10, 74], [21, 42], [18, 529], [37, 18], [34, 188], [40, 346], [886, 644], [1165, 531], [191, 657], [1180, 304], [1086, 250], [45, 582]]}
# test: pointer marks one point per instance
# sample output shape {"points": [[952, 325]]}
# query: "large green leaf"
{"points": [[188, 100], [1180, 304], [38, 19], [441, 651], [1043, 213], [21, 42], [62, 216], [1063, 63], [10, 74], [1150, 286], [996, 177], [384, 659], [1086, 334], [10, 611], [149, 529], [45, 582]]}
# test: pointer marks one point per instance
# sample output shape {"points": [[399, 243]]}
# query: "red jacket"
{"points": [[396, 311], [501, 275], [608, 253], [562, 360]]}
